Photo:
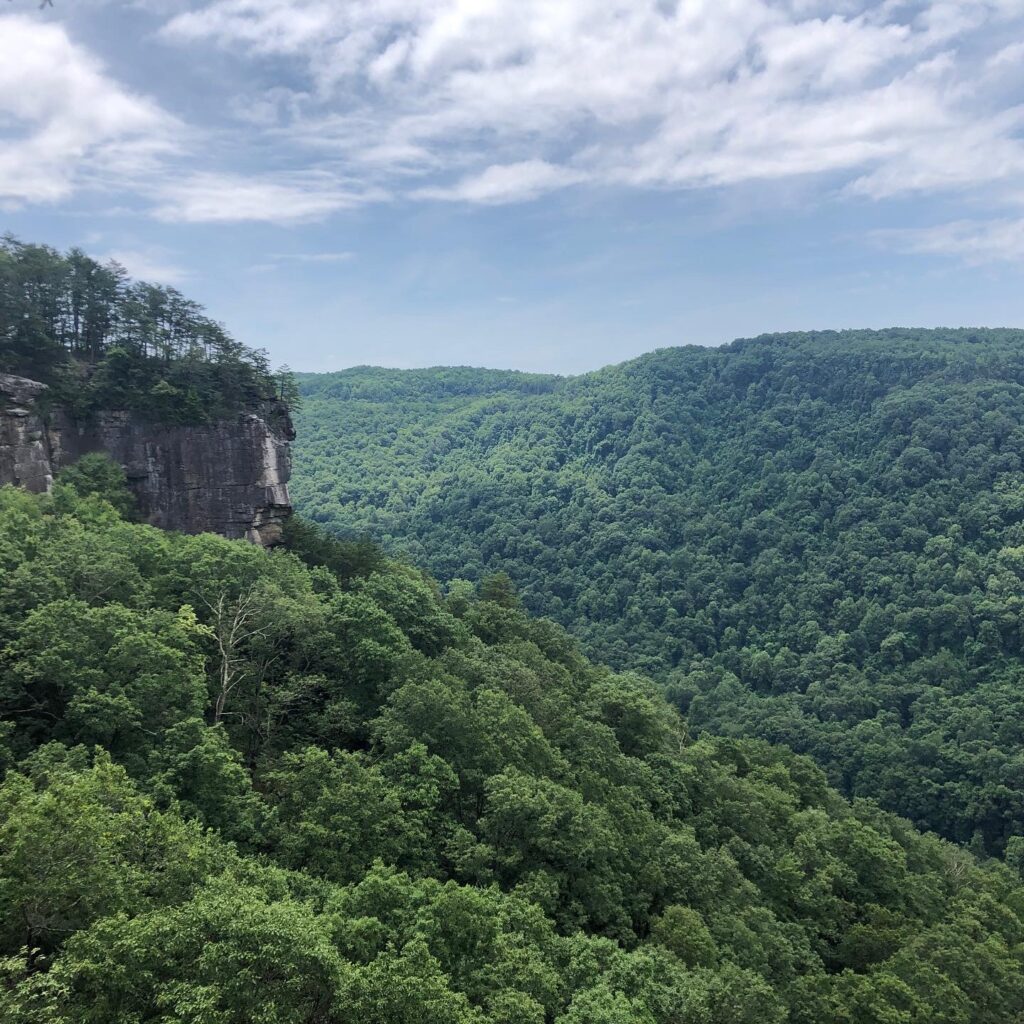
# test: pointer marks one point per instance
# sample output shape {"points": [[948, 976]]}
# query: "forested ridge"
{"points": [[816, 539], [100, 340], [303, 786]]}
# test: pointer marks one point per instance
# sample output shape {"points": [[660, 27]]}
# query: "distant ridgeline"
{"points": [[92, 362], [101, 341], [817, 539]]}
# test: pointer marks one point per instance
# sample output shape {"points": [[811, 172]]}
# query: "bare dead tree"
{"points": [[234, 623]]}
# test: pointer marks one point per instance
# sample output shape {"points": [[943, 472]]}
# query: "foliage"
{"points": [[816, 539], [95, 473], [346, 559], [244, 788], [101, 341]]}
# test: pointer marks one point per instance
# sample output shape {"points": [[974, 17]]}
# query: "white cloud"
{"points": [[973, 241], [275, 261], [149, 265], [344, 102], [499, 100], [1011, 56], [64, 120], [227, 198], [313, 257], [507, 183]]}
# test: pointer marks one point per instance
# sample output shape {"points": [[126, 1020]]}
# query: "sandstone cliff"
{"points": [[229, 477]]}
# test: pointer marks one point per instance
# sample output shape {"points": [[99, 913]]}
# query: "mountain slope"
{"points": [[816, 539], [239, 788]]}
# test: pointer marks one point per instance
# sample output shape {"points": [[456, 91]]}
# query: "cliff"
{"points": [[229, 477]]}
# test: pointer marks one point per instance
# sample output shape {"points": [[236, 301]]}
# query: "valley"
{"points": [[810, 539]]}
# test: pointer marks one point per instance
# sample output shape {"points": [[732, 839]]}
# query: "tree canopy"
{"points": [[306, 786], [102, 341], [815, 539]]}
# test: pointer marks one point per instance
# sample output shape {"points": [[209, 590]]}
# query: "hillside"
{"points": [[243, 788], [816, 539]]}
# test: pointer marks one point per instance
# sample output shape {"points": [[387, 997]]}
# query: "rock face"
{"points": [[229, 477], [24, 440]]}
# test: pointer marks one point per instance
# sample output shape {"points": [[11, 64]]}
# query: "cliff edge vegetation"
{"points": [[103, 342]]}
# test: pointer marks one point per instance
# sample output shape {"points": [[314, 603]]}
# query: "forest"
{"points": [[811, 539], [102, 341], [307, 786], [598, 683]]}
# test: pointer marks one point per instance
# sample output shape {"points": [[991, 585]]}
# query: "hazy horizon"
{"points": [[602, 366]]}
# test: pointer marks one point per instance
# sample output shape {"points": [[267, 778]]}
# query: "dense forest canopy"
{"points": [[816, 539], [303, 787], [102, 341]]}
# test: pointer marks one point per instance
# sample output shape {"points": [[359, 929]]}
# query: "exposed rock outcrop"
{"points": [[229, 477], [25, 456]]}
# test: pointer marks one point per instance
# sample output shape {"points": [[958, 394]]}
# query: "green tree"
{"points": [[97, 474]]}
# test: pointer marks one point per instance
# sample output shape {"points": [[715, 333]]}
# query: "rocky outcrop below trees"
{"points": [[228, 477]]}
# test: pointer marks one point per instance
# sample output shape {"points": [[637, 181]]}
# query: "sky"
{"points": [[547, 185]]}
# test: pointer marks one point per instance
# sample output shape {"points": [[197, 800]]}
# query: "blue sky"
{"points": [[527, 183]]}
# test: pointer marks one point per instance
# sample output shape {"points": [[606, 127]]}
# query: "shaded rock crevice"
{"points": [[229, 477]]}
